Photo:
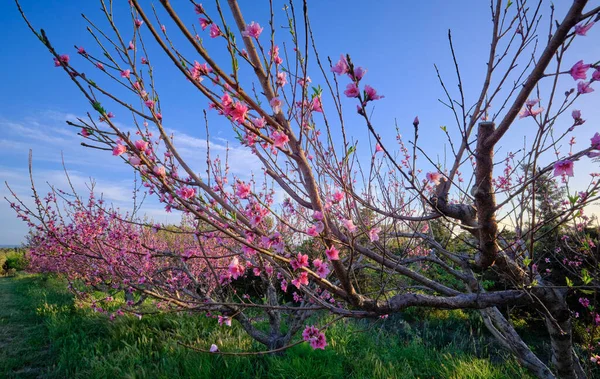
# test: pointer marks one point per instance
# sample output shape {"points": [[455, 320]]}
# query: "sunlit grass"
{"points": [[75, 342]]}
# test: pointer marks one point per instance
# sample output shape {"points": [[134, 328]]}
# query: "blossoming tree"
{"points": [[359, 217]]}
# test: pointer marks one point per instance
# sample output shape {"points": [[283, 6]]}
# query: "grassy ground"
{"points": [[44, 334]]}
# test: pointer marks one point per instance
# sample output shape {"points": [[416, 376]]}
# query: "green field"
{"points": [[45, 333]]}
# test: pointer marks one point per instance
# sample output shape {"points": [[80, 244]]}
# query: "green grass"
{"points": [[45, 334]]}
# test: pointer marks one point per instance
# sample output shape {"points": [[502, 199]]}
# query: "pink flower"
{"points": [[300, 261], [125, 73], [243, 190], [374, 234], [198, 8], [576, 114], [352, 90], [224, 320], [213, 348], [144, 60], [149, 103], [134, 161], [359, 72], [81, 51], [416, 121], [596, 141], [584, 87], [281, 79], [100, 66], [141, 145], [85, 133], [581, 30], [119, 149], [378, 148], [214, 31], [276, 104], [312, 231], [349, 225], [163, 28], [239, 112], [62, 59], [434, 177], [338, 196], [235, 268], [160, 171], [204, 23], [579, 69], [596, 74], [130, 46], [138, 22], [186, 193], [316, 104], [302, 280], [371, 94], [341, 67], [321, 268], [315, 337], [279, 139], [252, 30], [332, 253], [563, 168], [318, 215], [259, 122]]}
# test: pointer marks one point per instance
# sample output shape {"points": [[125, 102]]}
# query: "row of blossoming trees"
{"points": [[343, 218]]}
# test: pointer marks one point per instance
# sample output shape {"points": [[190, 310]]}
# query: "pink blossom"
{"points": [[434, 177], [163, 28], [332, 253], [149, 103], [252, 30], [138, 22], [130, 46], [341, 67], [259, 122], [160, 171], [374, 234], [81, 51], [144, 60], [276, 104], [204, 23], [579, 69], [214, 31], [349, 225], [584, 87], [318, 215], [338, 196], [119, 149], [416, 121], [352, 90], [576, 114], [186, 193], [198, 8], [378, 148], [321, 268], [371, 94], [304, 82], [279, 139], [300, 261], [281, 79], [85, 133], [596, 74], [312, 231], [224, 320], [563, 168], [315, 337], [134, 161], [239, 112], [141, 145], [213, 348], [529, 111], [359, 72], [301, 280], [243, 190], [62, 59], [596, 141], [126, 73], [235, 268], [316, 104], [100, 66], [581, 30]]}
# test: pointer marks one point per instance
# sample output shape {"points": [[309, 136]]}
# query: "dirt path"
{"points": [[23, 336]]}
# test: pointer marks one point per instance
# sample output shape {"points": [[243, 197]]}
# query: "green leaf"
{"points": [[98, 107], [573, 199], [569, 282], [587, 292], [527, 262], [443, 127], [585, 276]]}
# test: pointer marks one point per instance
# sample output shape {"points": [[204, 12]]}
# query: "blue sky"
{"points": [[398, 42]]}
